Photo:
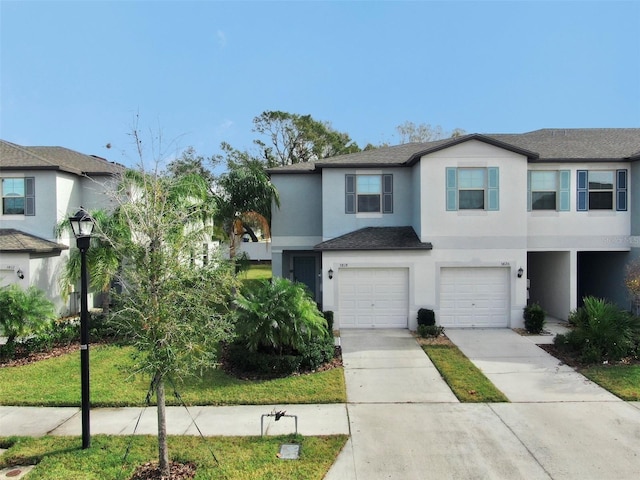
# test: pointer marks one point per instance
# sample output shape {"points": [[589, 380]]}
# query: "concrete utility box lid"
{"points": [[289, 451]]}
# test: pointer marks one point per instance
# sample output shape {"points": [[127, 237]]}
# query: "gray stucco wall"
{"points": [[300, 212], [333, 192]]}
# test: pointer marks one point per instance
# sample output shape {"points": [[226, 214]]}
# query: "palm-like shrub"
{"points": [[278, 316], [602, 331], [24, 312]]}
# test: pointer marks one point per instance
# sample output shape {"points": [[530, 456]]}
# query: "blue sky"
{"points": [[76, 74]]}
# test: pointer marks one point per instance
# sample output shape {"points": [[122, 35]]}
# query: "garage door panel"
{"points": [[474, 297], [373, 297]]}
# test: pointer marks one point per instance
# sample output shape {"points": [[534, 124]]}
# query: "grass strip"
{"points": [[621, 380], [245, 458], [56, 382], [466, 381]]}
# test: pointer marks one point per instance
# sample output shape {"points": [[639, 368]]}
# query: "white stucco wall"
{"points": [[591, 230], [424, 275], [468, 228]]}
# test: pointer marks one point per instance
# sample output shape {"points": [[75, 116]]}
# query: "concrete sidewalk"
{"points": [[244, 420]]}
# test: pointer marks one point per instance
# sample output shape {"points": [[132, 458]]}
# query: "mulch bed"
{"points": [[178, 471], [231, 369], [24, 357], [571, 359], [439, 340]]}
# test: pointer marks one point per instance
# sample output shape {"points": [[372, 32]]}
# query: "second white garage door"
{"points": [[373, 297], [474, 297]]}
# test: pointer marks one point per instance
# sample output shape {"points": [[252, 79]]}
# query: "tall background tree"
{"points": [[410, 132], [291, 138]]}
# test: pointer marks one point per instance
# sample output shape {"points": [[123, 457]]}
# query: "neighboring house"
{"points": [[474, 227], [41, 186]]}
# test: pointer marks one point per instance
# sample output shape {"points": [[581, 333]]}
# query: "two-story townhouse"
{"points": [[41, 186], [474, 227]]}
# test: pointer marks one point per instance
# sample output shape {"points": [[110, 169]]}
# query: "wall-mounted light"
{"points": [[20, 274], [330, 272], [520, 272]]}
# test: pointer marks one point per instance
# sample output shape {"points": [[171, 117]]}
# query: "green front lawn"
{"points": [[246, 458], [55, 382], [466, 381], [621, 380], [257, 272]]}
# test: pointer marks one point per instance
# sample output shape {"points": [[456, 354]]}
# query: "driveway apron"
{"points": [[406, 425], [523, 371], [388, 366]]}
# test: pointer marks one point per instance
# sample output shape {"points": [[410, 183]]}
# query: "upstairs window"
{"points": [[472, 188], [602, 190], [18, 196], [368, 193], [549, 190]]}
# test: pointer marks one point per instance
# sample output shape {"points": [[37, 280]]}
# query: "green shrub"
{"points": [[577, 316], [328, 316], [277, 315], [279, 330], [428, 331], [426, 316], [24, 312], [603, 332], [534, 318], [317, 351]]}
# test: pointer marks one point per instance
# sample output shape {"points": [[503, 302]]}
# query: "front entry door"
{"points": [[304, 271]]}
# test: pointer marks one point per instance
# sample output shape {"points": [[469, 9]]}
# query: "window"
{"points": [[471, 185], [18, 196], [368, 190], [549, 190], [472, 188], [602, 190], [369, 193]]}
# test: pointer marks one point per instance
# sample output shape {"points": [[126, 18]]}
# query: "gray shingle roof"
{"points": [[578, 143], [17, 157], [540, 145], [376, 238], [15, 241]]}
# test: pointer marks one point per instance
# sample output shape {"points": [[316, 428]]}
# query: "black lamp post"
{"points": [[82, 225]]}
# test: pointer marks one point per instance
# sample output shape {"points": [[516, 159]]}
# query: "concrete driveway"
{"points": [[404, 426]]}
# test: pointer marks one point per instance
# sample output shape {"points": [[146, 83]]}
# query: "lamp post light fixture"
{"points": [[82, 225]]}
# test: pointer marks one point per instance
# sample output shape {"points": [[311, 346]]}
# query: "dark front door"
{"points": [[304, 271]]}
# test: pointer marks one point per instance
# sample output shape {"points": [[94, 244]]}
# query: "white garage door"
{"points": [[474, 297], [373, 297]]}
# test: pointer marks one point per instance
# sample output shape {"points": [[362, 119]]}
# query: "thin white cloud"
{"points": [[222, 39], [225, 125]]}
